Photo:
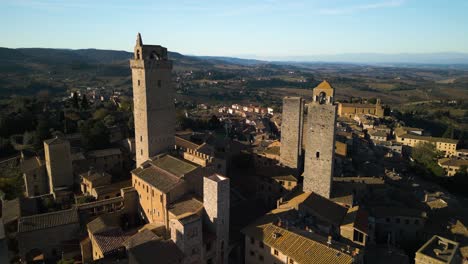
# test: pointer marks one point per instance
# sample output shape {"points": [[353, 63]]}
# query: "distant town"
{"points": [[99, 175]]}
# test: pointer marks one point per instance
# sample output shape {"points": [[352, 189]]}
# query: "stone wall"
{"points": [[216, 203], [291, 132], [320, 150]]}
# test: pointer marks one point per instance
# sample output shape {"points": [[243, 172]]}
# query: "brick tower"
{"points": [[153, 101], [320, 147]]}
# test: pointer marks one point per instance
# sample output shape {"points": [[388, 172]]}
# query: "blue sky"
{"points": [[246, 28]]}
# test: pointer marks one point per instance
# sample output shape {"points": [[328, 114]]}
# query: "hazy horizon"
{"points": [[265, 28]]}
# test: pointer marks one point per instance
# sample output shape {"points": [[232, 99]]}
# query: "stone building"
{"points": [[291, 132], [46, 234], [34, 175], [108, 160], [58, 163], [320, 150], [438, 250], [153, 98], [350, 110]]}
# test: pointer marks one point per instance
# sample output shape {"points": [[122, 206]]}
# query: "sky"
{"points": [[242, 28]]}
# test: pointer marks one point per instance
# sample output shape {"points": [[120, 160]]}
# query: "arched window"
{"points": [[138, 55]]}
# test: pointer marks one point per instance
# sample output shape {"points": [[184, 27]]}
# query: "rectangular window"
{"points": [[159, 83], [358, 236], [141, 138], [252, 240], [138, 82], [275, 252], [260, 244]]}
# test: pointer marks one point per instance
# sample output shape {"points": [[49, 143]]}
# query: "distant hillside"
{"points": [[27, 70]]}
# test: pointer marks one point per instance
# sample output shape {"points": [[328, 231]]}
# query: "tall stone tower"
{"points": [[291, 132], [320, 147], [153, 101], [58, 163], [216, 203]]}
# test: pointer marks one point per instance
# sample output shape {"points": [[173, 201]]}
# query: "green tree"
{"points": [[425, 155], [95, 134], [100, 114], [449, 132]]}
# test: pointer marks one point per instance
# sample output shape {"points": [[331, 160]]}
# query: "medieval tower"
{"points": [[291, 132], [320, 147], [58, 163], [153, 101], [216, 202]]}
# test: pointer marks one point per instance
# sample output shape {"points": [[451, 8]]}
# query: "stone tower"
{"points": [[58, 163], [320, 147], [291, 132], [216, 203], [153, 101]]}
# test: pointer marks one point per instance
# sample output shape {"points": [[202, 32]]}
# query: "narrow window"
{"points": [[141, 138], [138, 82], [159, 83], [141, 151], [317, 155]]}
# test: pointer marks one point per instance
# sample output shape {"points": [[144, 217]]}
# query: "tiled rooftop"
{"points": [[49, 220]]}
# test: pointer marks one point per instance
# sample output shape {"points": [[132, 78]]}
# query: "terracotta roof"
{"points": [[31, 164], [384, 211], [186, 207], [92, 176], [357, 218], [454, 162], [111, 240], [430, 139], [173, 165], [378, 133], [325, 209], [285, 178], [181, 142], [166, 251], [299, 248], [357, 105], [158, 178], [344, 199], [104, 152], [55, 140], [139, 238], [103, 223], [49, 220], [324, 85], [101, 190]]}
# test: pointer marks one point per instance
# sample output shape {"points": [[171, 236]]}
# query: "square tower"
{"points": [[216, 192], [58, 163], [320, 147], [291, 132], [153, 101]]}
